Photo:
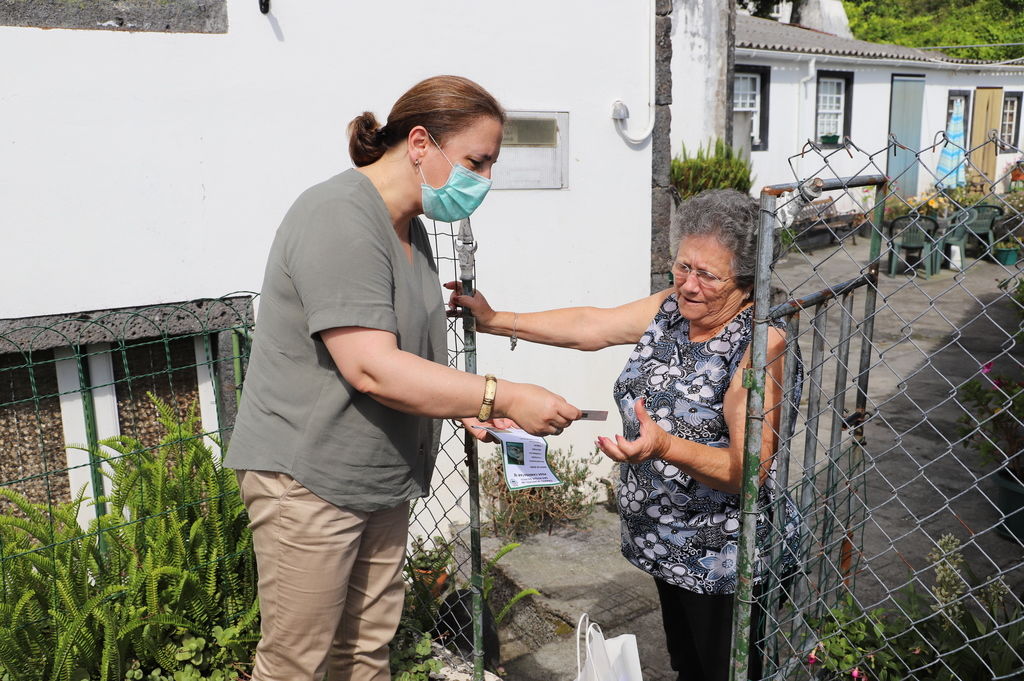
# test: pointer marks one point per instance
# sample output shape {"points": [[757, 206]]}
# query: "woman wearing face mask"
{"points": [[348, 375]]}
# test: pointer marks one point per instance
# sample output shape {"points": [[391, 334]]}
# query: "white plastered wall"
{"points": [[141, 168], [699, 52]]}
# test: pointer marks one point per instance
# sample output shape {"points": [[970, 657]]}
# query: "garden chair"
{"points": [[981, 226], [955, 234], [916, 235]]}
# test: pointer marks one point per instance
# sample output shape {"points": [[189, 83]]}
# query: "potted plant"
{"points": [[1007, 251], [995, 428], [830, 139], [429, 565]]}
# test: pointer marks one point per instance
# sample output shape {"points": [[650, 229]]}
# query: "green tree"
{"points": [[932, 23]]}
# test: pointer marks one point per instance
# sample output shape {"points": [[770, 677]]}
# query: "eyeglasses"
{"points": [[681, 272]]}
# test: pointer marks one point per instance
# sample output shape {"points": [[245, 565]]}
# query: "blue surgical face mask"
{"points": [[458, 198]]}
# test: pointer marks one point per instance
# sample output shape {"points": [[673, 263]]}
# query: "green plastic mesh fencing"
{"points": [[124, 551], [123, 543]]}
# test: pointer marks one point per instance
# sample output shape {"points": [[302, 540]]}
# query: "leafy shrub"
{"points": [[932, 202], [514, 514], [852, 644], [412, 656], [1012, 203], [992, 423], [953, 631], [965, 196], [163, 586], [718, 167]]}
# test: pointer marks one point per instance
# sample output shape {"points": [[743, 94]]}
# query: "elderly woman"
{"points": [[683, 407]]}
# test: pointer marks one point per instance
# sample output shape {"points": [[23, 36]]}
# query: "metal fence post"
{"points": [[466, 247], [754, 381]]}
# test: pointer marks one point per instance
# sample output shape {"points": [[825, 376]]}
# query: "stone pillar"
{"points": [[661, 148]]}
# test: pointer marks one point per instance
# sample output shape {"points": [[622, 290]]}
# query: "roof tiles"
{"points": [[765, 34]]}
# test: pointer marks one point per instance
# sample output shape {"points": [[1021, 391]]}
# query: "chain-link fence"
{"points": [[904, 453]]}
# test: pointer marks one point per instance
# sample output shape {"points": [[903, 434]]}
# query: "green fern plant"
{"points": [[169, 564]]}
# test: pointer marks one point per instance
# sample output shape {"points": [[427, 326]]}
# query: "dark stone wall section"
{"points": [[661, 149], [164, 368], [110, 326], [32, 458], [161, 16]]}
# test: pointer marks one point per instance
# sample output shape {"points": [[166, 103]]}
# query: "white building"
{"points": [[147, 162], [801, 85]]}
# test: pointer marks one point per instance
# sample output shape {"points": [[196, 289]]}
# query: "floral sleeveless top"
{"points": [[673, 526]]}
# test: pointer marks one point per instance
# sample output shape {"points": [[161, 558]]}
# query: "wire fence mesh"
{"points": [[120, 533], [907, 443]]}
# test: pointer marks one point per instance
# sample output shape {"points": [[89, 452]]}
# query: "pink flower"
{"points": [[986, 367], [857, 673], [812, 659]]}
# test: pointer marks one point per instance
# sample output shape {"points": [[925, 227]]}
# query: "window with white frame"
{"points": [[833, 107], [750, 93], [831, 99], [745, 94], [746, 97], [1009, 126]]}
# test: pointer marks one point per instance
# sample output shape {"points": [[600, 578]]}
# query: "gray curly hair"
{"points": [[731, 217]]}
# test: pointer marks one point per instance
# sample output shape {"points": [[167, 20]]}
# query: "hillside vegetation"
{"points": [[919, 23]]}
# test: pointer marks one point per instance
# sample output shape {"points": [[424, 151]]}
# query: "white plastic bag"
{"points": [[613, 659]]}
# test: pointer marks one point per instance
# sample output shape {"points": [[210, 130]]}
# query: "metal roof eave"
{"points": [[754, 53]]}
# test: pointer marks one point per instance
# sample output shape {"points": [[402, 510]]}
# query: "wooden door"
{"points": [[905, 105], [988, 108]]}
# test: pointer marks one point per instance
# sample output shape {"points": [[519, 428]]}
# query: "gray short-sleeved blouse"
{"points": [[336, 261]]}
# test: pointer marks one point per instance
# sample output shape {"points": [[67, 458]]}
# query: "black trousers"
{"points": [[698, 632]]}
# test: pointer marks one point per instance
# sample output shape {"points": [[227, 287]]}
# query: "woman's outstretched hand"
{"points": [[653, 442], [536, 410], [476, 303], [483, 435]]}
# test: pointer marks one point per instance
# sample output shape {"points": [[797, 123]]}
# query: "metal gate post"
{"points": [[754, 381], [466, 246]]}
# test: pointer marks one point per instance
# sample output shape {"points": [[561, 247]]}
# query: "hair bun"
{"points": [[365, 144]]}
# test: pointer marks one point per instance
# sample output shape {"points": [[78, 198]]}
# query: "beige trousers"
{"points": [[330, 582]]}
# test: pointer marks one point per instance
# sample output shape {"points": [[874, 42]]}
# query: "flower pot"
{"points": [[433, 580], [830, 139], [1010, 502], [1005, 256]]}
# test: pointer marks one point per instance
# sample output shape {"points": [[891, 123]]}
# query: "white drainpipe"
{"points": [[812, 71]]}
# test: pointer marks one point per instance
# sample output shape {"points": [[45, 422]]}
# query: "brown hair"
{"points": [[444, 105]]}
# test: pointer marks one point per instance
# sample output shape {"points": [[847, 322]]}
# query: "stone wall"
{"points": [[164, 367], [32, 459], [661, 149], [179, 16]]}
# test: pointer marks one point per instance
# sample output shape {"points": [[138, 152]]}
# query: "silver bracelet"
{"points": [[513, 339]]}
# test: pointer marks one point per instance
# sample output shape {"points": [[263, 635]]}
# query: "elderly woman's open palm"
{"points": [[652, 443]]}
